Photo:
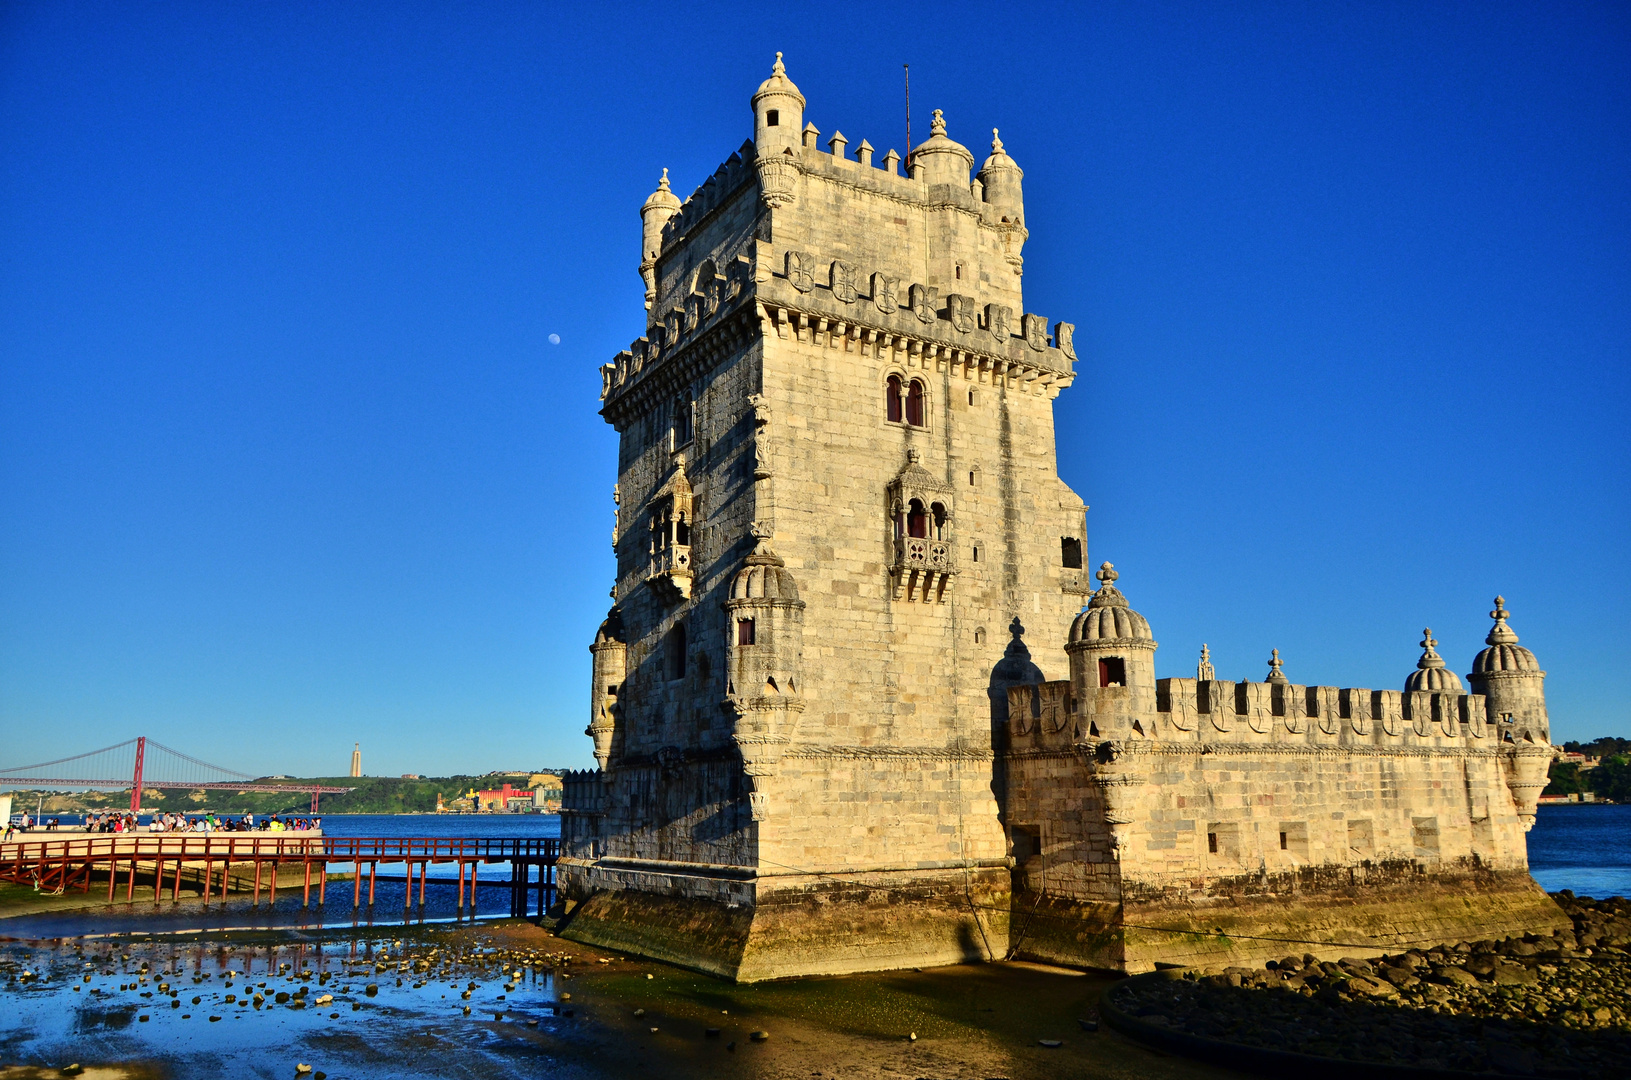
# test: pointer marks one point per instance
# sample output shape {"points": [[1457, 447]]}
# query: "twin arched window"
{"points": [[904, 402], [922, 524]]}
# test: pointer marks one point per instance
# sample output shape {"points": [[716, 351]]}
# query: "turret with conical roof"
{"points": [[654, 214], [778, 112], [1001, 178], [1512, 683], [941, 159]]}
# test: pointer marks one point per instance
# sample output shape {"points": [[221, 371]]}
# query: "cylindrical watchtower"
{"points": [[1112, 662]]}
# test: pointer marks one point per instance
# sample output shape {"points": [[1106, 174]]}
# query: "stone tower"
{"points": [[841, 537]]}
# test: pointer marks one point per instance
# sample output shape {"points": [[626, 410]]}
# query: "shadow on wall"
{"points": [[1014, 669]]}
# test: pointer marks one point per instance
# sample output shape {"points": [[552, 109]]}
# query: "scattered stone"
{"points": [[1051, 1044], [371, 989], [759, 1036]]}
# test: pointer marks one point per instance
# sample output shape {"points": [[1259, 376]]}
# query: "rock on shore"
{"points": [[1557, 1005]]}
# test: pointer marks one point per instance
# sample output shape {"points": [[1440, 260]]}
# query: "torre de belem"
{"points": [[858, 703]]}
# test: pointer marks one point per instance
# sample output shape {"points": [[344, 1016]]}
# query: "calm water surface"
{"points": [[1584, 848]]}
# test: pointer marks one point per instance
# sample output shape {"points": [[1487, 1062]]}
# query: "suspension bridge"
{"points": [[143, 763]]}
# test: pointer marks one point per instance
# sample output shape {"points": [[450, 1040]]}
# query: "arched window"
{"points": [[674, 652], [682, 531], [917, 521], [681, 425], [914, 403], [938, 513], [744, 632], [892, 399]]}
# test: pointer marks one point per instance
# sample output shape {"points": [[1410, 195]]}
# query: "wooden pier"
{"points": [[60, 863]]}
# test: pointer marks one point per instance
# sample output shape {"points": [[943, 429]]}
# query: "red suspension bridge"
{"points": [[143, 763]]}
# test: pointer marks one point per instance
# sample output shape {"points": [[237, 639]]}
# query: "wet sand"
{"points": [[539, 1004]]}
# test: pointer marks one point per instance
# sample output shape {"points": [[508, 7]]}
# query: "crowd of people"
{"points": [[126, 822]]}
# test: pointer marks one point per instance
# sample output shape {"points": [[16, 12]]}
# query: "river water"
{"points": [[72, 988], [1583, 848]]}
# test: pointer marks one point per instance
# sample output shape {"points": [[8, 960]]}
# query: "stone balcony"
{"points": [[670, 572], [922, 569]]}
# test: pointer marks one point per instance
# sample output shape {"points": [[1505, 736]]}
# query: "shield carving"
{"points": [[884, 289], [843, 281], [1035, 328], [997, 318], [925, 303], [799, 273]]}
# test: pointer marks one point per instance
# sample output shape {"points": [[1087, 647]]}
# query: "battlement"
{"points": [[837, 304], [1047, 715]]}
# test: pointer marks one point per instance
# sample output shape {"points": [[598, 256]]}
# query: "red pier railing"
{"points": [[57, 863]]}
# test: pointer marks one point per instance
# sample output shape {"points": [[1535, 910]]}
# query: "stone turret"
{"points": [[1112, 660], [941, 160], [610, 665], [662, 205], [764, 652], [1512, 682], [778, 123], [1001, 180], [1431, 676]]}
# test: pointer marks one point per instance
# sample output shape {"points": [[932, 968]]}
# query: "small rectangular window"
{"points": [[976, 552], [1282, 841], [744, 631], [1070, 552], [1112, 671], [773, 118], [1212, 842]]}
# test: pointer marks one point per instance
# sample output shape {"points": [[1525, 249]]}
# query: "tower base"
{"points": [[739, 925]]}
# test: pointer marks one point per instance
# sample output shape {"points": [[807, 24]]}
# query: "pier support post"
{"points": [[356, 885], [271, 898], [373, 867], [322, 883], [175, 888], [475, 868], [460, 908], [257, 901], [305, 897], [422, 868]]}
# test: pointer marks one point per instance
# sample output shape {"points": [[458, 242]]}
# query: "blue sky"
{"points": [[289, 459]]}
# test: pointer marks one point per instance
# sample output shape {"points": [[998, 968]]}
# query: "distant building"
{"points": [[356, 759], [501, 798], [410, 776], [1584, 761]]}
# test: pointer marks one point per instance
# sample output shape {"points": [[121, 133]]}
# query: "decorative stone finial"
{"points": [[912, 458], [777, 68], [996, 143], [937, 126], [1500, 633], [1275, 674], [759, 530], [1107, 595], [662, 185], [1429, 658], [1203, 670]]}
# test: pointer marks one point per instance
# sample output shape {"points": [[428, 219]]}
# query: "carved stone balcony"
{"points": [[922, 569], [670, 572]]}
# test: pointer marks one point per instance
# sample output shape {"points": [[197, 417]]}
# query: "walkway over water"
{"points": [[57, 862]]}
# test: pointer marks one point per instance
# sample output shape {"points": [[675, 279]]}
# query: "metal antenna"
{"points": [[908, 68]]}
